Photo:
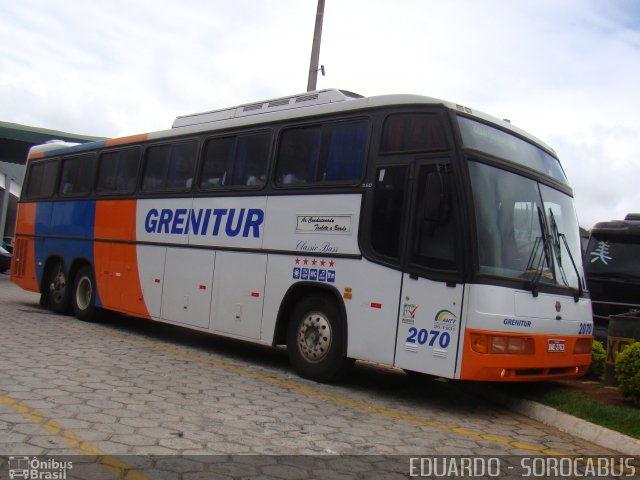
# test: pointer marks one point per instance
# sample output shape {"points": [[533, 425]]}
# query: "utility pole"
{"points": [[315, 49]]}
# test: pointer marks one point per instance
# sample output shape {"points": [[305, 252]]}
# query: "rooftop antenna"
{"points": [[315, 49]]}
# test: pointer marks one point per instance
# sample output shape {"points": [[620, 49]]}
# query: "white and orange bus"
{"points": [[397, 229]]}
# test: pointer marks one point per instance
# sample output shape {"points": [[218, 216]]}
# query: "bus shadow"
{"points": [[370, 380], [232, 349]]}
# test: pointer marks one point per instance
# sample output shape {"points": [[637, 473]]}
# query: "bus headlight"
{"points": [[518, 345], [583, 345], [502, 344]]}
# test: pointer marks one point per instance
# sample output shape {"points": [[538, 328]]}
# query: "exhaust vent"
{"points": [[307, 98], [279, 103], [249, 108]]}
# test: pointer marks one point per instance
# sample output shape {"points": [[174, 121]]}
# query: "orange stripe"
{"points": [[26, 225], [116, 264], [36, 155], [130, 139]]}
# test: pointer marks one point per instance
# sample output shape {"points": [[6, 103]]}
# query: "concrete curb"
{"points": [[569, 424]]}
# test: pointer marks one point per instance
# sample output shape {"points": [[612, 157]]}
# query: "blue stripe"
{"points": [[68, 219], [83, 147]]}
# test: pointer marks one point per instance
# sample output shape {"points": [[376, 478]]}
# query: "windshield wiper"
{"points": [[541, 259], [557, 248], [557, 235]]}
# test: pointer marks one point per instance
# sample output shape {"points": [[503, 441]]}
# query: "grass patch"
{"points": [[622, 419]]}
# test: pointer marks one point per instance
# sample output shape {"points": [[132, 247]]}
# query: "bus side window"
{"points": [[331, 153], [217, 163], [181, 166], [77, 175], [118, 171], [155, 168], [343, 153], [42, 179], [170, 167], [388, 205], [413, 132], [298, 155], [435, 233], [252, 154]]}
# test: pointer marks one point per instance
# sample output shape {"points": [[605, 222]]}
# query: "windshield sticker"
{"points": [[601, 253], [314, 270]]}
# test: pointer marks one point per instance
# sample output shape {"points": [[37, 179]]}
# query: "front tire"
{"points": [[83, 298], [316, 341], [57, 290]]}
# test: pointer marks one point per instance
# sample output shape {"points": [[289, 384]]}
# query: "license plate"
{"points": [[555, 346]]}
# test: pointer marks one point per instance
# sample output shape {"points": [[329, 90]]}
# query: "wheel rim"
{"points": [[314, 337], [58, 287], [83, 293]]}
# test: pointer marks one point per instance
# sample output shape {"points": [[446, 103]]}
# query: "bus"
{"points": [[397, 229], [612, 266]]}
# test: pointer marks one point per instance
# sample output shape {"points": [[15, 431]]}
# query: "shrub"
{"points": [[598, 356], [628, 372]]}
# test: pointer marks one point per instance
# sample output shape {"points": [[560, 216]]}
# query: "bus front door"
{"points": [[431, 300], [428, 326]]}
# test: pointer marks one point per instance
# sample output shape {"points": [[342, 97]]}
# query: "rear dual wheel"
{"points": [[57, 291], [83, 298]]}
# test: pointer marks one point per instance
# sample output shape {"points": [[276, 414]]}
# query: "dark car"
{"points": [[612, 266], [5, 260]]}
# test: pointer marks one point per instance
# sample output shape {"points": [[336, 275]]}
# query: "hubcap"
{"points": [[314, 337], [58, 286], [83, 293]]}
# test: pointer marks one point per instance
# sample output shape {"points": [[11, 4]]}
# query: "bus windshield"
{"points": [[515, 239], [478, 136]]}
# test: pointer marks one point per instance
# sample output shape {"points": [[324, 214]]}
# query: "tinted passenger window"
{"points": [[388, 205], [235, 161], [413, 132], [118, 171], [332, 153], [435, 234], [77, 175], [170, 167], [42, 179]]}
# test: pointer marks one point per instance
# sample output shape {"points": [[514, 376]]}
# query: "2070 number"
{"points": [[585, 329], [424, 337]]}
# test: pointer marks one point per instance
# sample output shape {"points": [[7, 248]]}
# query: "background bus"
{"points": [[397, 229], [612, 264]]}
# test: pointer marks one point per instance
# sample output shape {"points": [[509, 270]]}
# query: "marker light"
{"points": [[499, 344], [479, 343], [583, 345]]}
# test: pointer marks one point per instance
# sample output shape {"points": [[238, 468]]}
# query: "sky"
{"points": [[566, 71]]}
